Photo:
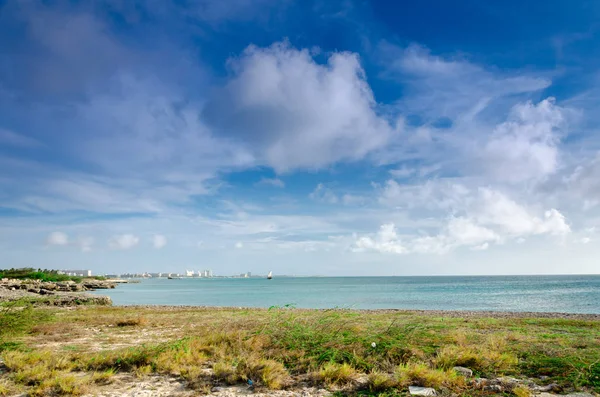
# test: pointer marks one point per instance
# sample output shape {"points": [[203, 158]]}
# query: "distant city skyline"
{"points": [[340, 138]]}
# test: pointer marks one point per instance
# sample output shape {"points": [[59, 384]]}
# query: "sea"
{"points": [[565, 294]]}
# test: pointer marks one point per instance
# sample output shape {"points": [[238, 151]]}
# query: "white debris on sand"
{"points": [[421, 391]]}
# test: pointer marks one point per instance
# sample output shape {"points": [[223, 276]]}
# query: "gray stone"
{"points": [[495, 388], [546, 388], [421, 391], [466, 372]]}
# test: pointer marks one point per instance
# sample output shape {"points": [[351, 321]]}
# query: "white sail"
{"points": [[270, 275]]}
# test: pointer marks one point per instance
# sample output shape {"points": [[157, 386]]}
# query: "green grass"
{"points": [[276, 348]]}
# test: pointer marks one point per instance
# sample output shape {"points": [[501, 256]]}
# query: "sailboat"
{"points": [[270, 275]]}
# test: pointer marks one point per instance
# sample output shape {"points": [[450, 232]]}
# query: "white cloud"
{"points": [[526, 146], [123, 242], [159, 241], [324, 194], [85, 243], [62, 239], [352, 199], [239, 245], [276, 182], [496, 209], [57, 238], [385, 241], [297, 113], [432, 194], [450, 87]]}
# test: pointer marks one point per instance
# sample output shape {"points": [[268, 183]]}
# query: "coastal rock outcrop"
{"points": [[66, 293]]}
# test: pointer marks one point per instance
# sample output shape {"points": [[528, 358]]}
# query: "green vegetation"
{"points": [[43, 275], [66, 352]]}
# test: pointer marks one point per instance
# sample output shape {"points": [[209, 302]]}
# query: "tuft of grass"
{"points": [[143, 370], [180, 357], [7, 388], [420, 374], [61, 385], [120, 360], [269, 373], [485, 359], [226, 372], [379, 381], [334, 374], [103, 377], [132, 322], [521, 391]]}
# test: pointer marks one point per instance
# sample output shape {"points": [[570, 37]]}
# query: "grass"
{"points": [[334, 374], [369, 353], [132, 322]]}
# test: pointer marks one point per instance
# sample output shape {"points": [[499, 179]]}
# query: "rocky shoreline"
{"points": [[474, 314], [67, 293]]}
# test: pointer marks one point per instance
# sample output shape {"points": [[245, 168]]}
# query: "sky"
{"points": [[313, 137]]}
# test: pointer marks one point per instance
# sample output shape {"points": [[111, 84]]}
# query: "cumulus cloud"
{"points": [[296, 113], [62, 239], [123, 242], [526, 146], [57, 238], [386, 241], [159, 241], [496, 209], [478, 218]]}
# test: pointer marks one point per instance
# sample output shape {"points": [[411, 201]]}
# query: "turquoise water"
{"points": [[572, 294]]}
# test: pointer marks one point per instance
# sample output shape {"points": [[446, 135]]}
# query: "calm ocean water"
{"points": [[573, 294]]}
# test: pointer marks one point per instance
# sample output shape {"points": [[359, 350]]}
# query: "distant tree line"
{"points": [[29, 273]]}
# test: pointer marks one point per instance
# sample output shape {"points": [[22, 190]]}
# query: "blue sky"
{"points": [[303, 137]]}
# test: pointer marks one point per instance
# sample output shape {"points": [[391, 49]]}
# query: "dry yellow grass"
{"points": [[280, 347], [334, 374]]}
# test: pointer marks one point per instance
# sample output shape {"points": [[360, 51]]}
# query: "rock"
{"points": [[546, 388], [421, 391], [361, 382], [466, 372], [507, 382], [579, 394]]}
